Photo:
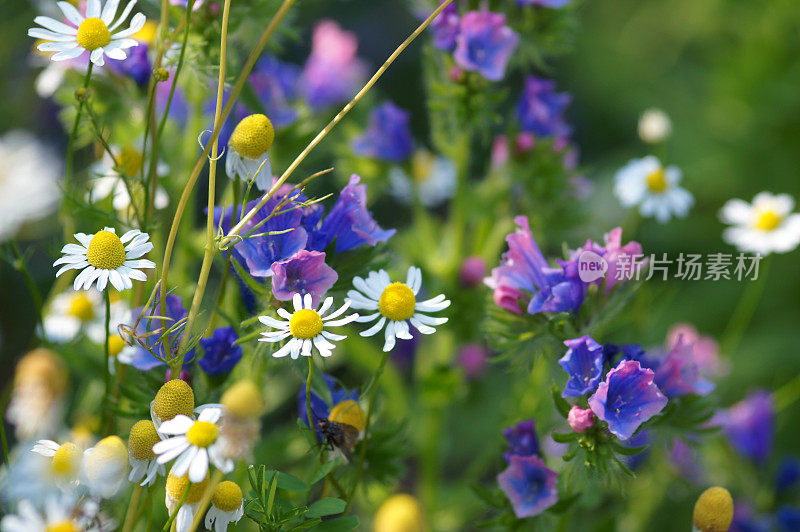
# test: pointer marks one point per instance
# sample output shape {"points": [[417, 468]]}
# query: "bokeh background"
{"points": [[726, 71]]}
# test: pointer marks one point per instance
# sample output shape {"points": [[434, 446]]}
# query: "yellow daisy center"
{"points": [[767, 220], [656, 181], [109, 454], [713, 511], [106, 251], [81, 307], [143, 437], [421, 165], [115, 345], [202, 433], [350, 413], [397, 302], [305, 323], [67, 459], [399, 512], [148, 33], [63, 526], [130, 161], [93, 33], [227, 496], [177, 485], [173, 398], [252, 137], [243, 400]]}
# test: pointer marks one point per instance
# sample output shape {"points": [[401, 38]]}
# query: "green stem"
{"points": [[216, 478], [74, 135], [33, 288], [310, 412], [4, 440], [363, 454], [174, 513], [130, 515], [743, 314], [107, 372]]}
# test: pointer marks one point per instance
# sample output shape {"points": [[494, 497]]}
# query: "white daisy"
{"points": [[71, 313], [765, 226], [646, 183], [433, 179], [397, 303], [227, 506], [192, 444], [142, 458], [105, 466], [654, 126], [65, 463], [29, 177], [59, 514], [248, 151], [93, 33], [306, 327], [104, 257], [109, 179]]}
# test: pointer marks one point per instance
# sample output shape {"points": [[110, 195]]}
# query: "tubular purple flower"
{"points": [[485, 44], [541, 109], [445, 28], [522, 440], [627, 398], [584, 364], [529, 484], [750, 425], [388, 136], [678, 374], [305, 272]]}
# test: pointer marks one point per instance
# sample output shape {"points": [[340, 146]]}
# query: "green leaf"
{"points": [[291, 483], [324, 469], [340, 524], [564, 438], [628, 451], [561, 404], [326, 506]]}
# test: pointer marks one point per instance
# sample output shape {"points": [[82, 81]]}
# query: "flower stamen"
{"points": [[93, 33], [106, 251], [397, 302]]}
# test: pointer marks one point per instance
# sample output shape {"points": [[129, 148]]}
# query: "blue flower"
{"points": [[555, 4], [529, 484], [627, 398], [445, 28], [750, 425], [150, 331], [137, 66], [788, 519], [628, 352], [640, 439], [221, 353], [320, 408], [788, 474], [388, 136], [305, 272], [541, 109], [678, 374], [584, 363], [275, 84], [522, 440], [485, 44], [349, 222]]}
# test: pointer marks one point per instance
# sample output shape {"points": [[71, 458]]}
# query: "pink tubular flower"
{"points": [[580, 419], [614, 253], [704, 349], [305, 272]]}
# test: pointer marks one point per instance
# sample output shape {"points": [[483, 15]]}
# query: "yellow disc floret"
{"points": [[713, 511], [768, 220], [115, 345], [305, 324], [202, 433], [109, 454], [130, 162], [41, 367], [93, 33], [63, 526], [175, 397], [143, 437], [106, 251], [227, 496], [243, 400], [656, 181], [177, 485], [81, 307], [252, 137], [397, 302], [67, 460], [350, 413], [399, 513]]}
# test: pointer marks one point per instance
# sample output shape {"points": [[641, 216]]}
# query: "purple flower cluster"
{"points": [[540, 109], [221, 353], [479, 40], [290, 246], [750, 425], [388, 136], [555, 4], [584, 364], [527, 481]]}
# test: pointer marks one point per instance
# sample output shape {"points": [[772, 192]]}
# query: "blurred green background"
{"points": [[726, 71]]}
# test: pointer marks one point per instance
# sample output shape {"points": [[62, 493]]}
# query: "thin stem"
{"points": [[133, 505], [74, 135], [233, 234], [234, 94], [310, 412], [743, 314], [363, 454], [3, 439], [216, 478], [107, 370], [21, 266], [211, 248], [168, 525]]}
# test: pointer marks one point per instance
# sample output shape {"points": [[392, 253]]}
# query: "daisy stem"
{"points": [[211, 248], [234, 232], [363, 453], [170, 522], [74, 135], [310, 412], [233, 96], [106, 410], [748, 303], [21, 266], [216, 478], [133, 505]]}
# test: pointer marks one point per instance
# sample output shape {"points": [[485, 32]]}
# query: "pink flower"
{"points": [[472, 359], [580, 419], [614, 254], [473, 270], [704, 349]]}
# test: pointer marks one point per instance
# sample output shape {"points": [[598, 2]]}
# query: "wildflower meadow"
{"points": [[401, 266]]}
